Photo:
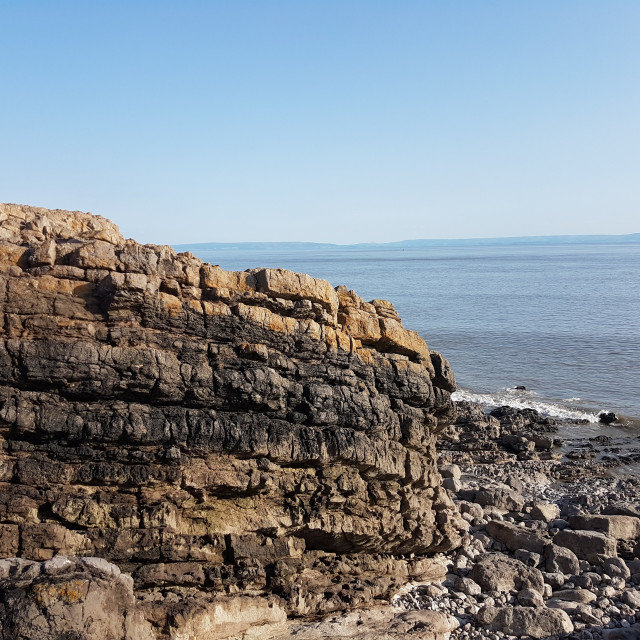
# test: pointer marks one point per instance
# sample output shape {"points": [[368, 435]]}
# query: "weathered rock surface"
{"points": [[214, 434], [380, 623], [534, 622], [587, 545], [511, 577], [616, 526], [495, 572], [514, 537], [68, 598]]}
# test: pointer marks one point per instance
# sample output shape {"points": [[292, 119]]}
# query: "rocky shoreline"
{"points": [[188, 453], [553, 548], [553, 542]]}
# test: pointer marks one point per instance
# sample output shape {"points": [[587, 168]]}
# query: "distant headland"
{"points": [[417, 244]]}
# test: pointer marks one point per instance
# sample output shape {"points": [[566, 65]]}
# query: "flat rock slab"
{"points": [[520, 621], [592, 546], [618, 527], [382, 623], [514, 537]]}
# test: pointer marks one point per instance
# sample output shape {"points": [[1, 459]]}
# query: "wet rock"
{"points": [[518, 443]]}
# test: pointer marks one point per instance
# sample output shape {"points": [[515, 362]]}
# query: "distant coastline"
{"points": [[406, 244]]}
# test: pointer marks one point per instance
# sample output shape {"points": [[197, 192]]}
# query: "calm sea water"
{"points": [[562, 320]]}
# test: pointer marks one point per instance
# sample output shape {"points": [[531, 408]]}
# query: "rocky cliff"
{"points": [[254, 442]]}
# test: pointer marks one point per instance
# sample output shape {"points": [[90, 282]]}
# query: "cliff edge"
{"points": [[247, 446]]}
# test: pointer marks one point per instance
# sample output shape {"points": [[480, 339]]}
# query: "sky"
{"points": [[329, 121]]}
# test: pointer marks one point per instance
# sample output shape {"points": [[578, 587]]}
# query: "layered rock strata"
{"points": [[217, 435]]}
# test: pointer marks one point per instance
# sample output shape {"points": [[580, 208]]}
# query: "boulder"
{"points": [[468, 586], [616, 568], [450, 471], [538, 622], [452, 484], [529, 558], [587, 545], [500, 497], [67, 598], [514, 537], [632, 598], [554, 579], [583, 596], [618, 527], [630, 633], [560, 560], [427, 570], [529, 598], [547, 512], [496, 572]]}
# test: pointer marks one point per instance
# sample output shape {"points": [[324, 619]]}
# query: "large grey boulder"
{"points": [[559, 559], [496, 572], [547, 512], [587, 545], [500, 497], [514, 537], [538, 622], [618, 527]]}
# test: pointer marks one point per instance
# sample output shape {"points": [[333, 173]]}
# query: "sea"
{"points": [[560, 319]]}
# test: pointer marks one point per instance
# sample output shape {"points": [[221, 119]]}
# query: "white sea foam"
{"points": [[526, 400]]}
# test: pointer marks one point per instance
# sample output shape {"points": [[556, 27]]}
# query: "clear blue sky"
{"points": [[334, 120]]}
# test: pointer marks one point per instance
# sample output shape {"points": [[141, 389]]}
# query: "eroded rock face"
{"points": [[68, 598], [210, 431]]}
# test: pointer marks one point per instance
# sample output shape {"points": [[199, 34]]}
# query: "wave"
{"points": [[519, 399]]}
